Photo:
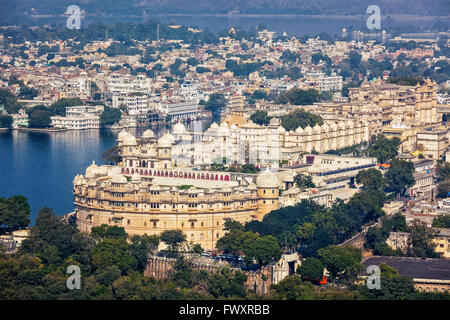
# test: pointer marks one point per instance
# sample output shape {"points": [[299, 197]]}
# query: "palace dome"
{"points": [[148, 134], [119, 179], [129, 140], [223, 130], [316, 128], [267, 179], [164, 142], [179, 128], [135, 178], [170, 137], [299, 130], [122, 135], [91, 170], [214, 125]]}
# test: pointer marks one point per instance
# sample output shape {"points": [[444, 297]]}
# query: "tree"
{"points": [[311, 269], [9, 101], [443, 169], [236, 241], [110, 116], [141, 248], [293, 288], [400, 176], [300, 118], [197, 248], [14, 214], [264, 250], [354, 59], [59, 107], [421, 240], [113, 252], [341, 261], [442, 222], [173, 238], [5, 121], [108, 232], [304, 181], [216, 103], [39, 119], [227, 283], [50, 230], [112, 155], [260, 117], [371, 179], [384, 149], [299, 97]]}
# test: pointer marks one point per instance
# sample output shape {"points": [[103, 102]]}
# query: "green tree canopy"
{"points": [[299, 97], [400, 176], [304, 181], [384, 149], [14, 214], [6, 121], [110, 116], [371, 179], [311, 269], [300, 118], [173, 238], [260, 117], [341, 261]]}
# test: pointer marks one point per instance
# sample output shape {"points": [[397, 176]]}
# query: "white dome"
{"points": [[136, 178], [299, 130], [129, 140], [91, 170], [223, 130], [267, 179], [214, 125], [148, 134], [119, 179], [170, 137], [122, 135], [179, 127], [164, 142], [316, 128]]}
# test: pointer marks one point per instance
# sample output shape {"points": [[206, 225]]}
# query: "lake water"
{"points": [[293, 25], [41, 166]]}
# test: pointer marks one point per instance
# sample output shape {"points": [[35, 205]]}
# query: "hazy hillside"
{"points": [[19, 11], [421, 7]]}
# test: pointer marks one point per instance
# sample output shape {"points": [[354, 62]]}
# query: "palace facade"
{"points": [[150, 201]]}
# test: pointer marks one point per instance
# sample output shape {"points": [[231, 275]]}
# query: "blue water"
{"points": [[41, 166]]}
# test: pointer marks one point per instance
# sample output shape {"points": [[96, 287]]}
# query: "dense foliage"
{"points": [[300, 118]]}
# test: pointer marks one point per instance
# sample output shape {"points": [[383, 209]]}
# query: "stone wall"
{"points": [[258, 282]]}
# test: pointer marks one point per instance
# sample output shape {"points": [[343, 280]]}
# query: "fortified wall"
{"points": [[161, 268]]}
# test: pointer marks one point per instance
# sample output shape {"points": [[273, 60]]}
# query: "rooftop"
{"points": [[436, 269]]}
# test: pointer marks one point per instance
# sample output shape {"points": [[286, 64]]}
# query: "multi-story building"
{"points": [[79, 118], [441, 238], [433, 142], [149, 199], [136, 104]]}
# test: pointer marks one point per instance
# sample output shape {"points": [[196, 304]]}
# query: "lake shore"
{"points": [[40, 130]]}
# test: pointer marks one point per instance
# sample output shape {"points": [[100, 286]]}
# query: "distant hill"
{"points": [[18, 11]]}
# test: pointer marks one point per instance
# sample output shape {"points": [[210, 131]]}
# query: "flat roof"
{"points": [[437, 269]]}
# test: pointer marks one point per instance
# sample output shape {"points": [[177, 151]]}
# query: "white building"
{"points": [[136, 104], [125, 84], [79, 118]]}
